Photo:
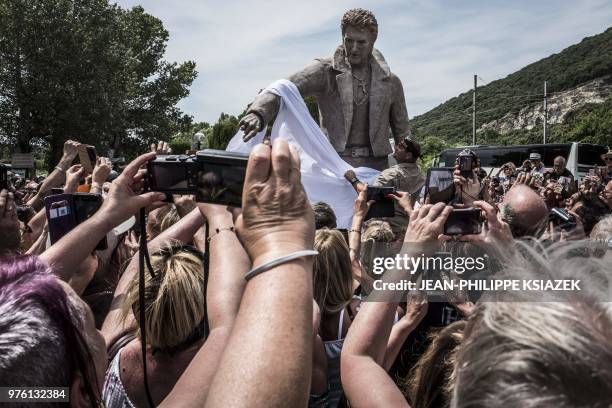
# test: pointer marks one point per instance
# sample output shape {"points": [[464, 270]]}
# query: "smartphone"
{"points": [[66, 211], [561, 218], [220, 177], [87, 157], [4, 184], [86, 205], [60, 215], [439, 185], [383, 206], [463, 221]]}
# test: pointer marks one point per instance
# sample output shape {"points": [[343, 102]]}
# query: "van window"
{"points": [[590, 155], [497, 156]]}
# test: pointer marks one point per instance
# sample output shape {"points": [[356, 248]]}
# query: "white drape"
{"points": [[321, 167]]}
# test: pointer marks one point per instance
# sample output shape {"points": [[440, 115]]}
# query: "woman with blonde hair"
{"points": [[178, 309]]}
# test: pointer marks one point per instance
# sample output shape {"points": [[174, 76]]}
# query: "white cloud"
{"points": [[433, 46]]}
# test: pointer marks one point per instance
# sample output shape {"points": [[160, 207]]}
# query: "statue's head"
{"points": [[359, 32]]}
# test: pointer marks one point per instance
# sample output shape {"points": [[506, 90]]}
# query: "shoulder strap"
{"points": [[118, 344], [340, 324]]}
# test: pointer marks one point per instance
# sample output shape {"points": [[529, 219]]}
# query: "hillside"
{"points": [[509, 110]]}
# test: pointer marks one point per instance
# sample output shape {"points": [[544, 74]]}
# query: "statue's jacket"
{"points": [[330, 81]]}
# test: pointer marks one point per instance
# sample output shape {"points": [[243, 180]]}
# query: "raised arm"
{"points": [[228, 265], [57, 176], [268, 358], [365, 381], [360, 210], [114, 325], [310, 81], [121, 202]]}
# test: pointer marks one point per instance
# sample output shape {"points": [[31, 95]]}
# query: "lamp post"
{"points": [[197, 140]]}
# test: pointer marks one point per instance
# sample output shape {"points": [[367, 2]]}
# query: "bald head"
{"points": [[524, 211]]}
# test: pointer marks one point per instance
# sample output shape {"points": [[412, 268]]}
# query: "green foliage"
{"points": [[88, 70], [579, 63], [182, 141], [225, 128]]}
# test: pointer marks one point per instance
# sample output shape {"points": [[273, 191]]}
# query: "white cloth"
{"points": [[321, 167]]}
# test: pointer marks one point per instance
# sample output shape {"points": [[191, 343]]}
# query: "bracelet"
{"points": [[218, 230], [60, 169], [354, 230], [278, 261]]}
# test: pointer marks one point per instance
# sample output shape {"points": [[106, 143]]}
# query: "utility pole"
{"points": [[545, 112], [474, 112]]}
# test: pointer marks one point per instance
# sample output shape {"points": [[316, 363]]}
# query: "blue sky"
{"points": [[435, 47]]}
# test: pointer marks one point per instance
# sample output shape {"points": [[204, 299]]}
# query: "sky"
{"points": [[434, 46]]}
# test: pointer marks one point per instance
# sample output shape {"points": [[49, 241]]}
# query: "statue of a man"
{"points": [[359, 98]]}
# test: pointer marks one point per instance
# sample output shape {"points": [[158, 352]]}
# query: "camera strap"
{"points": [[143, 258]]}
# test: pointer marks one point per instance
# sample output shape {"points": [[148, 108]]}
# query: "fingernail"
{"points": [[160, 196]]}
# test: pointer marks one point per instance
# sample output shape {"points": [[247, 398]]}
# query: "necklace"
{"points": [[362, 85]]}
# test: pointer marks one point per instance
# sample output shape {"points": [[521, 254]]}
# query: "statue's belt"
{"points": [[357, 151]]}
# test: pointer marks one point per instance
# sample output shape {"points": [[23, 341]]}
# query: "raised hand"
{"points": [[101, 171], [427, 223], [276, 217], [73, 176], [161, 148]]}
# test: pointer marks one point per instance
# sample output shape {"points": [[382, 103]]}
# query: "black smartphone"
{"points": [[463, 221], [66, 211], [439, 185], [60, 215], [86, 205], [563, 219], [220, 177], [4, 184], [383, 206]]}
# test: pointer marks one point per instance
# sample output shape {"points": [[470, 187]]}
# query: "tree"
{"points": [[225, 128], [88, 70]]}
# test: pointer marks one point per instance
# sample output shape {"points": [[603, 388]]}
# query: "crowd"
{"points": [[272, 305]]}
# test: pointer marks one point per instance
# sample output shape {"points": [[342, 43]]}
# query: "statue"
{"points": [[359, 98]]}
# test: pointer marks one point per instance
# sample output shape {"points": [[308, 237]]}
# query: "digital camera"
{"points": [[213, 176], [467, 161]]}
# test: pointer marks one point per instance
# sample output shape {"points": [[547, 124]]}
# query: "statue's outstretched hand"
{"points": [[250, 124]]}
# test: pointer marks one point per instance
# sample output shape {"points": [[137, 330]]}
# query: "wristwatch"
{"points": [[354, 180]]}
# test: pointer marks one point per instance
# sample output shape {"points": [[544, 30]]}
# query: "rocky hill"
{"points": [[510, 111]]}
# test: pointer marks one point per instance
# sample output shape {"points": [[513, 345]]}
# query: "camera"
{"points": [[66, 211], [383, 206], [467, 161], [463, 221], [561, 218], [213, 176]]}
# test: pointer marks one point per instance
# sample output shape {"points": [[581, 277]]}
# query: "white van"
{"points": [[581, 157]]}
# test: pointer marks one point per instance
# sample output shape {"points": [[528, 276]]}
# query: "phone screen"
{"points": [[169, 176], [384, 207], [221, 183], [463, 222], [86, 205], [439, 185]]}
